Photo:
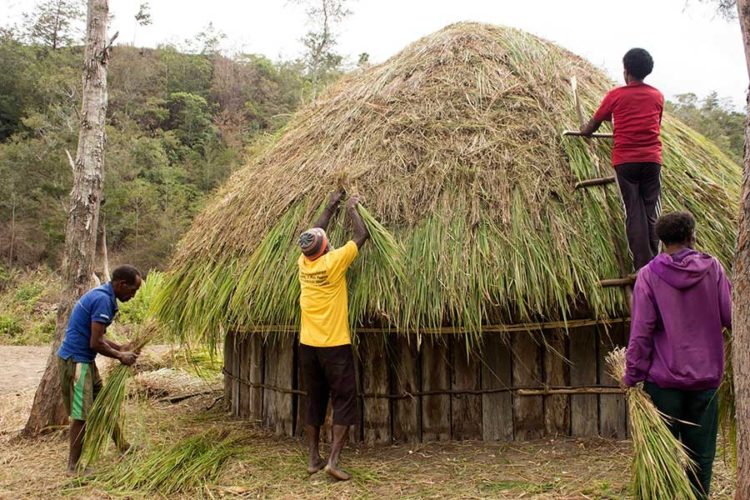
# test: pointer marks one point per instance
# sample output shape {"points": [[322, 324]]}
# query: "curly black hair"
{"points": [[675, 228], [126, 273], [638, 62]]}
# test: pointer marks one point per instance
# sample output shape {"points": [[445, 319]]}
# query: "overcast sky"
{"points": [[694, 49]]}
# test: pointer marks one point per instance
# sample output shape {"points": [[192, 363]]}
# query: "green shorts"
{"points": [[79, 383]]}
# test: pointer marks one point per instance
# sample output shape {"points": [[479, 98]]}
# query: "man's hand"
{"points": [[335, 197], [128, 358], [352, 202]]}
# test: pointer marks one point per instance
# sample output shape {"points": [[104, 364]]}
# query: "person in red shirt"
{"points": [[635, 111]]}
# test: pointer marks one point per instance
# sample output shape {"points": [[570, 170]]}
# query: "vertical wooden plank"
{"points": [[228, 360], [243, 372], [235, 370], [436, 423], [584, 418], [271, 354], [253, 359], [612, 407], [405, 380], [466, 409], [284, 374], [497, 407], [528, 411], [556, 407], [302, 401], [377, 425]]}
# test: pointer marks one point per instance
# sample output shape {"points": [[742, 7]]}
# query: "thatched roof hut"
{"points": [[455, 145]]}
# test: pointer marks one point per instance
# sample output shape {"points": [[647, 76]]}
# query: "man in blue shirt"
{"points": [[84, 339]]}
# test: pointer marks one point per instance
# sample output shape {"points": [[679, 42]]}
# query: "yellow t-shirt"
{"points": [[323, 297]]}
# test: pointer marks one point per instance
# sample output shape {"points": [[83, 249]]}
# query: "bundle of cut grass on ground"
{"points": [[180, 467], [106, 417], [660, 462]]}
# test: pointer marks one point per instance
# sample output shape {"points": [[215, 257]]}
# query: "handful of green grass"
{"points": [[660, 462], [186, 465], [387, 248], [105, 418]]}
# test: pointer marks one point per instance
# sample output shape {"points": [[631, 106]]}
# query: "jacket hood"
{"points": [[682, 269]]}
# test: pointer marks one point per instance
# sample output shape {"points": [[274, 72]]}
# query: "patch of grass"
{"points": [[10, 326], [517, 486], [27, 306], [29, 293]]}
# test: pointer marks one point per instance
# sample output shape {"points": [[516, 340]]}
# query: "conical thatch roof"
{"points": [[455, 146]]}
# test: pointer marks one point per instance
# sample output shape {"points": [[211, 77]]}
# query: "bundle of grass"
{"points": [[660, 462], [177, 468], [455, 143], [105, 419]]}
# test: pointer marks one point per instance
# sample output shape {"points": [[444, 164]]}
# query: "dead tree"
{"points": [[741, 298], [83, 214]]}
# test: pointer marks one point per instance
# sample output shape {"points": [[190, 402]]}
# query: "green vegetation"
{"points": [[178, 124], [27, 306], [713, 117], [179, 467]]}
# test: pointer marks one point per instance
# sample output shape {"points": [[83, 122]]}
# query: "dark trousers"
{"points": [[328, 372], [695, 407], [640, 187]]}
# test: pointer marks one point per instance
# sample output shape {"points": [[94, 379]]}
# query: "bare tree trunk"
{"points": [[83, 216], [102, 257], [741, 298]]}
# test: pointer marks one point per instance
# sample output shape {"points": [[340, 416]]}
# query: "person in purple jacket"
{"points": [[681, 303]]}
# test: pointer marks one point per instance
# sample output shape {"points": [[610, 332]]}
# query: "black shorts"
{"points": [[329, 371]]}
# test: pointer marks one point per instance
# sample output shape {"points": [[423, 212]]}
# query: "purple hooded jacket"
{"points": [[680, 304]]}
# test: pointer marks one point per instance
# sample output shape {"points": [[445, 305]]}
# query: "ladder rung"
{"points": [[596, 135], [627, 281], [601, 181]]}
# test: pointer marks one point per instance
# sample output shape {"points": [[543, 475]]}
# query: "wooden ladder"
{"points": [[625, 282]]}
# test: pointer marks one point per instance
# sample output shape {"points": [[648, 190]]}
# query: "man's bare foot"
{"points": [[316, 466], [88, 471], [127, 449], [337, 473]]}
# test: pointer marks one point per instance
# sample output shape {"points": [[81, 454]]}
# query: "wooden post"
{"points": [[405, 379], [584, 416], [377, 425], [466, 409], [497, 408], [228, 364], [613, 421], [528, 411], [254, 359], [436, 410], [556, 407]]}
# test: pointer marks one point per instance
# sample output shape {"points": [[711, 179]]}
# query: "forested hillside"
{"points": [[179, 121], [178, 124]]}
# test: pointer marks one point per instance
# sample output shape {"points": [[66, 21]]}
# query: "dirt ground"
{"points": [[21, 367], [271, 467]]}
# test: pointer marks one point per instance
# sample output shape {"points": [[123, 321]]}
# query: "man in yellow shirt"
{"points": [[325, 341]]}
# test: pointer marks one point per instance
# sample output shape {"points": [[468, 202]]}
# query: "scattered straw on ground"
{"points": [[272, 467]]}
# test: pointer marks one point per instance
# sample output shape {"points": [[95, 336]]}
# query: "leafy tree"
{"points": [[321, 59], [55, 23], [713, 117]]}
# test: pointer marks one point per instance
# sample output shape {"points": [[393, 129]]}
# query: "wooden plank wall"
{"points": [[392, 364], [406, 380], [497, 407]]}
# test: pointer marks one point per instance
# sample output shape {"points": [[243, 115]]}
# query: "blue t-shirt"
{"points": [[98, 304]]}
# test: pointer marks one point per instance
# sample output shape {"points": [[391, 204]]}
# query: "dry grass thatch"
{"points": [[455, 146]]}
